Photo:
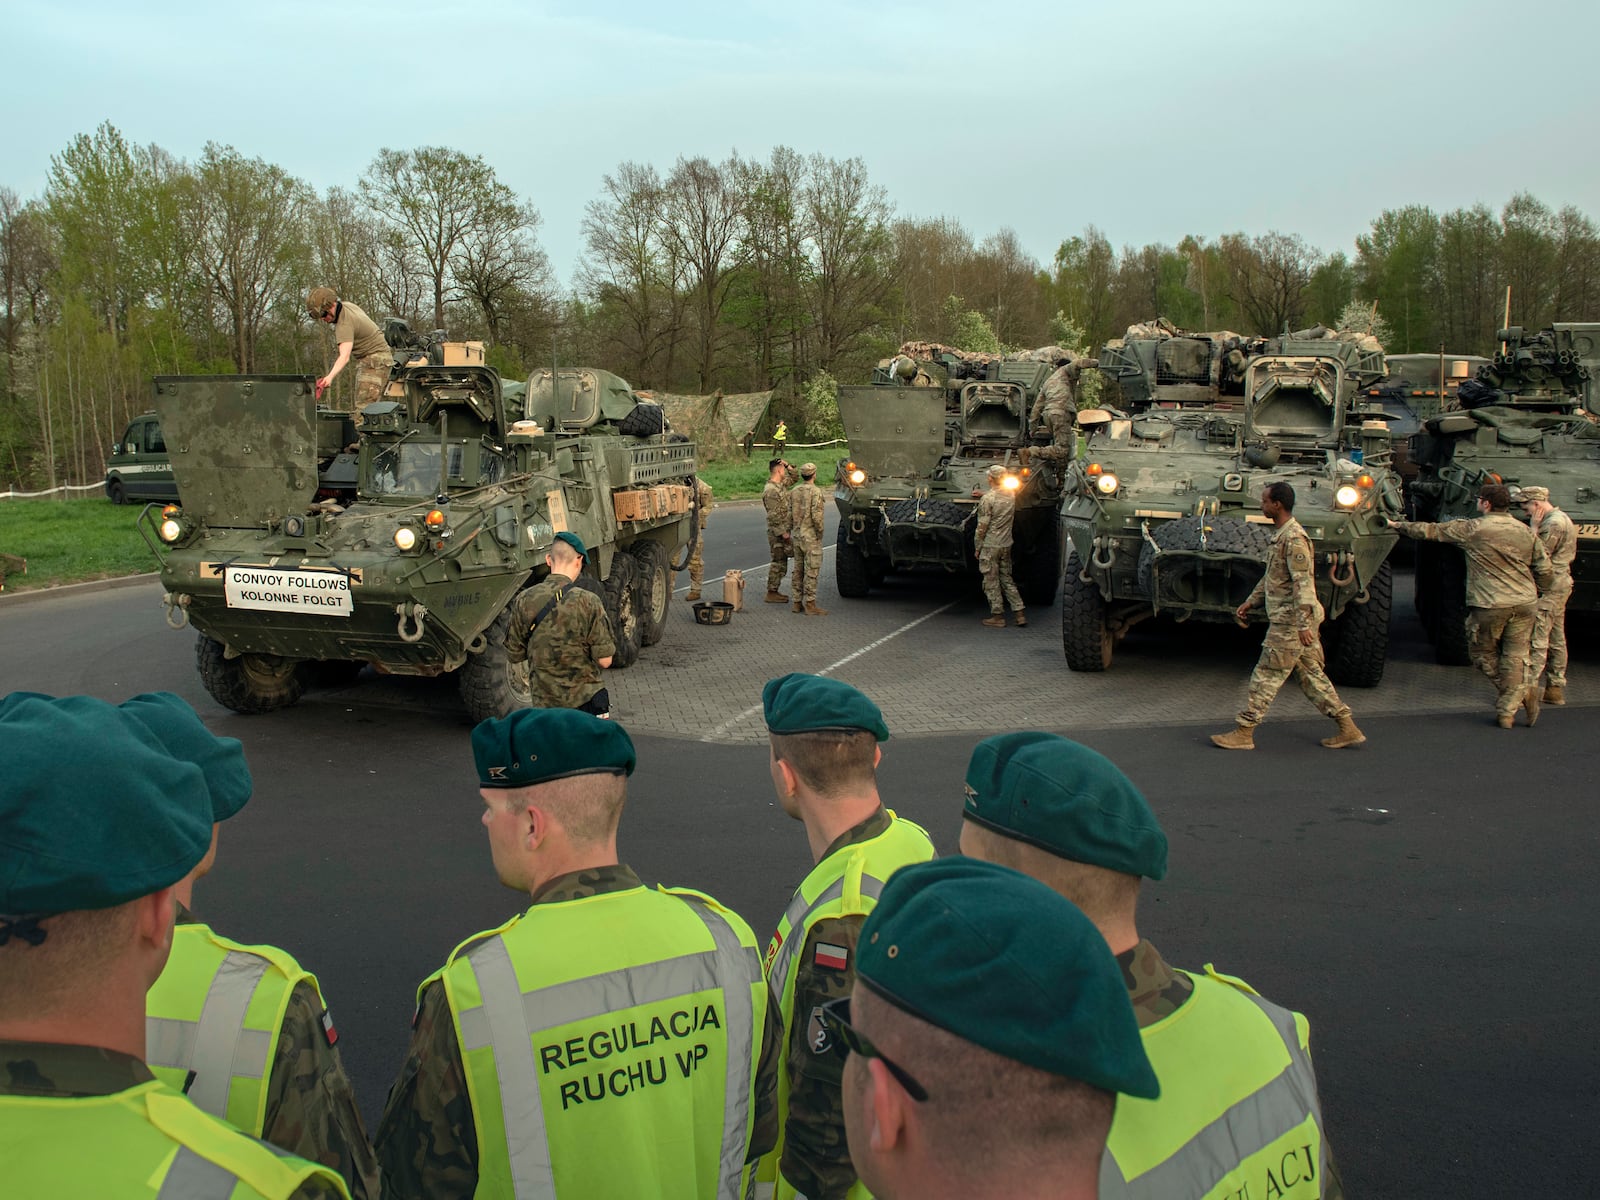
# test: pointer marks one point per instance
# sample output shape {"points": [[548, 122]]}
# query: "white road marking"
{"points": [[826, 550]]}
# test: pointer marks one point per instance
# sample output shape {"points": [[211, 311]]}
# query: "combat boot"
{"points": [[1530, 704], [1348, 734], [995, 620], [1555, 695], [798, 606], [694, 595], [1242, 737], [1505, 720], [813, 611], [1022, 618], [776, 597]]}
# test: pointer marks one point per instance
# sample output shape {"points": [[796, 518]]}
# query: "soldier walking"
{"points": [[1288, 589], [779, 540], [1507, 572], [807, 509], [697, 560], [1547, 654], [562, 633], [993, 540]]}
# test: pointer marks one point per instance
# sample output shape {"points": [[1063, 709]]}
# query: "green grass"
{"points": [[66, 541], [736, 478]]}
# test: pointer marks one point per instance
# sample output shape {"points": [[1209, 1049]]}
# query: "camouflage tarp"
{"points": [[717, 423]]}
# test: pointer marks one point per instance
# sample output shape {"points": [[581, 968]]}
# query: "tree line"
{"points": [[745, 274]]}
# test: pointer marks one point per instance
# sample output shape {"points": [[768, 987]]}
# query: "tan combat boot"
{"points": [[813, 611], [995, 620], [1555, 695], [1530, 704], [1022, 617], [776, 597], [694, 595], [1505, 720], [1348, 734], [1242, 737], [798, 606]]}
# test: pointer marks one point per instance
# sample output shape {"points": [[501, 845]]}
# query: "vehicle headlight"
{"points": [[858, 477], [1011, 483], [405, 538], [170, 530], [1347, 496], [1106, 482]]}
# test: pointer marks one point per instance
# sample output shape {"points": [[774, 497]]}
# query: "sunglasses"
{"points": [[845, 1039]]}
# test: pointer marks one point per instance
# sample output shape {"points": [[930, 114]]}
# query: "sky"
{"points": [[1149, 120]]}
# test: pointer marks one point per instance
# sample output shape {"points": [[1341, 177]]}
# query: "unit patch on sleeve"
{"points": [[332, 1034], [834, 958]]}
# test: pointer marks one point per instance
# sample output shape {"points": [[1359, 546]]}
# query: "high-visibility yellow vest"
{"points": [[143, 1141], [1238, 1113], [846, 883], [217, 1011], [611, 1045]]}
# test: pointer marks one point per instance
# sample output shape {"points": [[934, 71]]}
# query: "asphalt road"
{"points": [[1425, 900]]}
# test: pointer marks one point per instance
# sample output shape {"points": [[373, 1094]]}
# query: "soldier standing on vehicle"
{"points": [[1239, 1094], [614, 1039], [1548, 645], [562, 633], [1507, 573], [825, 751], [697, 560], [1056, 407], [270, 1065], [357, 336], [779, 538], [992, 538], [1288, 589], [807, 511]]}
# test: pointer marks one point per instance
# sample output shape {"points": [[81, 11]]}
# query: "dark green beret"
{"points": [[799, 703], [574, 541], [1006, 963], [177, 727], [94, 812], [1062, 797], [536, 745]]}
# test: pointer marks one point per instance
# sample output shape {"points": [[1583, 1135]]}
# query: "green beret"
{"points": [[1003, 961], [574, 541], [94, 812], [1062, 797], [177, 727], [536, 745], [797, 703]]}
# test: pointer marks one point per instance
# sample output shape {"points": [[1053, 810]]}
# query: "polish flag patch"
{"points": [[328, 1031], [834, 958]]}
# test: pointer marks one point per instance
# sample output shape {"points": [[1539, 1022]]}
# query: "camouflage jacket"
{"points": [[565, 649], [1506, 565], [1289, 587], [1059, 391], [74, 1072], [426, 1143], [776, 501], [702, 494], [1559, 537], [807, 510], [995, 511]]}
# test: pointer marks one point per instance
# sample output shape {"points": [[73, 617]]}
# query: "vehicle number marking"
{"points": [[1589, 529], [307, 590]]}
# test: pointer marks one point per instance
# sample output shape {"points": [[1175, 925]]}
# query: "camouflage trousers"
{"points": [[1498, 642], [1281, 656], [1061, 423], [372, 376], [997, 582], [807, 565], [781, 550], [1547, 649], [697, 562]]}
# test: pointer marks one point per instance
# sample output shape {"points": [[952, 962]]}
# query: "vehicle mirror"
{"points": [[116, 448]]}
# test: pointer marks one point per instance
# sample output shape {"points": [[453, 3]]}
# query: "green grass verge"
{"points": [[742, 479], [67, 541]]}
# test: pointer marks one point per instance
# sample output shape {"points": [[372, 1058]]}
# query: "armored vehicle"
{"points": [[1158, 364], [1162, 510], [923, 436], [456, 502], [1527, 418]]}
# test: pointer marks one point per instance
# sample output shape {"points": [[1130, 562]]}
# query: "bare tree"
{"points": [[848, 221], [700, 224]]}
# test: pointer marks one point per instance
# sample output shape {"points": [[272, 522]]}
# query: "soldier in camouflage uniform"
{"points": [[1507, 572], [776, 501], [697, 560], [807, 510], [1547, 655], [1288, 589], [357, 336], [993, 541], [562, 633], [1056, 407]]}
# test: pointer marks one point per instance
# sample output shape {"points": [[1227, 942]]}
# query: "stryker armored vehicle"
{"points": [[1162, 510], [1527, 419], [923, 436], [458, 497], [1159, 365]]}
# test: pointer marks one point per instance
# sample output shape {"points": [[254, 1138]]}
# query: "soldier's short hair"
{"points": [[52, 978], [774, 463], [1281, 493], [831, 762], [1496, 495]]}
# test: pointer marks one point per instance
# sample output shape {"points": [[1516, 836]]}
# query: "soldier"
{"points": [[993, 548], [1239, 1114], [271, 1066], [1056, 407], [780, 439], [100, 825], [779, 540], [989, 1037], [563, 634], [358, 337], [615, 1039], [1507, 573], [1548, 644], [1288, 589], [807, 511], [825, 750], [697, 560]]}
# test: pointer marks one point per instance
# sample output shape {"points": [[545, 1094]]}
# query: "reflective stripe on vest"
{"points": [[509, 1018], [1248, 1127], [194, 1178], [795, 920], [217, 1048]]}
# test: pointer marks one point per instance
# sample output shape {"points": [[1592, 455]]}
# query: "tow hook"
{"points": [[177, 607], [413, 618]]}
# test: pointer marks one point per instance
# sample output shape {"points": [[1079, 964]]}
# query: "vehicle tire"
{"points": [[646, 420], [623, 609], [250, 683], [490, 684], [1085, 633], [1037, 570], [928, 512], [652, 584], [1248, 539], [1357, 644], [852, 575], [116, 492], [1182, 534], [1450, 609]]}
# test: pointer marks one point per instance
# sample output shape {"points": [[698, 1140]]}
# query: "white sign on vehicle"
{"points": [[308, 590]]}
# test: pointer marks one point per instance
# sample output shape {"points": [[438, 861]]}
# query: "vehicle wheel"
{"points": [[1450, 609], [652, 585], [1085, 634], [623, 609], [1357, 644], [1037, 570], [928, 512], [116, 492], [852, 577], [491, 685], [1181, 534], [250, 683]]}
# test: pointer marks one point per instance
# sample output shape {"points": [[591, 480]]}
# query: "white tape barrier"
{"points": [[70, 487]]}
